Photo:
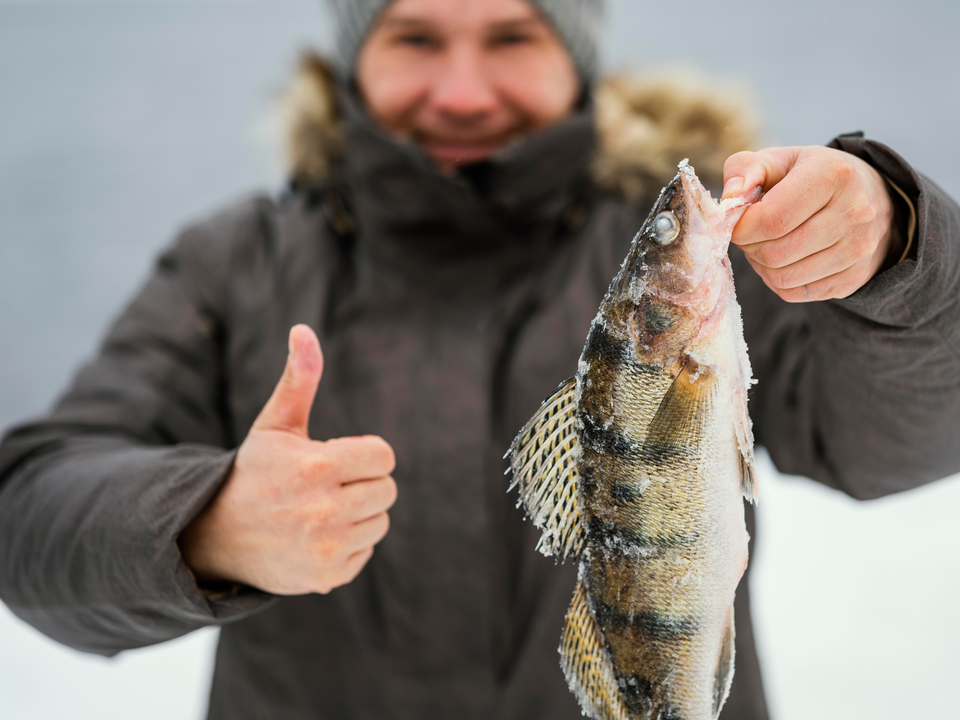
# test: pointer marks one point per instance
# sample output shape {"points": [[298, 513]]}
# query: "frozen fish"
{"points": [[638, 465]]}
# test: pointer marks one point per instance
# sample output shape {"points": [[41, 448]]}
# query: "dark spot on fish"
{"points": [[670, 712], [637, 691], [657, 317], [625, 491], [665, 627], [605, 440], [601, 345], [630, 539], [652, 624], [602, 532], [588, 479], [659, 454]]}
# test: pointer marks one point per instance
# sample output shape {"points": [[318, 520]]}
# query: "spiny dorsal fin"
{"points": [[586, 663], [724, 678], [543, 458]]}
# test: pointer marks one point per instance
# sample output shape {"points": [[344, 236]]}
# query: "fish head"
{"points": [[677, 277]]}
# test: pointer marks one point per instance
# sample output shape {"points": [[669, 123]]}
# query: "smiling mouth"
{"points": [[460, 151]]}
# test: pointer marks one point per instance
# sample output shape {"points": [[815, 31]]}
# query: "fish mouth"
{"points": [[711, 216]]}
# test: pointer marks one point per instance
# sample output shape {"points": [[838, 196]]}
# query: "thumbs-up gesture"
{"points": [[295, 515]]}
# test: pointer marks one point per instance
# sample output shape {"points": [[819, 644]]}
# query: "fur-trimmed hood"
{"points": [[645, 126]]}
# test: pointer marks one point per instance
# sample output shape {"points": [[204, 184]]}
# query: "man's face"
{"points": [[463, 78]]}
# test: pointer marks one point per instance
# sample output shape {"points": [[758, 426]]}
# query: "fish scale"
{"points": [[638, 465]]}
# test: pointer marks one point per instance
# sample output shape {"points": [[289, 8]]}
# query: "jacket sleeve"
{"points": [[863, 393], [93, 497]]}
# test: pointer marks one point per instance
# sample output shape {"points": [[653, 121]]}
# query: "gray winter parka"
{"points": [[447, 309]]}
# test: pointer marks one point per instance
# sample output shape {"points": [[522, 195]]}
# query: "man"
{"points": [[453, 223]]}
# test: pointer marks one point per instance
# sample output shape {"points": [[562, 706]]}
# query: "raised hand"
{"points": [[295, 515], [824, 226]]}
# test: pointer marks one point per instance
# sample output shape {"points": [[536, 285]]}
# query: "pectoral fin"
{"points": [[678, 422], [586, 663], [748, 469], [748, 480], [724, 677], [543, 458]]}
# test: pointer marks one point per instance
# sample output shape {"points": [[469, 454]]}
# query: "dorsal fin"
{"points": [[543, 458]]}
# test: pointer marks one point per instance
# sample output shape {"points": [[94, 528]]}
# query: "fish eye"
{"points": [[666, 228]]}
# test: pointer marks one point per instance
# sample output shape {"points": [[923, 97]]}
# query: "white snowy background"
{"points": [[120, 121]]}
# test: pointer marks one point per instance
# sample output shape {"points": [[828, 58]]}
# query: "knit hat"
{"points": [[577, 23]]}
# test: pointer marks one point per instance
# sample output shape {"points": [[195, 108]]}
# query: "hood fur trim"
{"points": [[645, 127], [313, 118]]}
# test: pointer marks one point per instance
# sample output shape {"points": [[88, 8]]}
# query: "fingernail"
{"points": [[733, 186]]}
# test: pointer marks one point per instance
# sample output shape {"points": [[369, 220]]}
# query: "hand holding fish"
{"points": [[823, 228], [295, 515]]}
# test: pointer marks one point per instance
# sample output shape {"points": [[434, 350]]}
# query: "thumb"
{"points": [[289, 406], [745, 171]]}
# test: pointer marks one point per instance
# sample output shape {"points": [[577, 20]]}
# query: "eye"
{"points": [[666, 228], [511, 39], [417, 40]]}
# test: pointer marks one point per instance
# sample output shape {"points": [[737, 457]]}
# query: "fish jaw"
{"points": [[709, 229]]}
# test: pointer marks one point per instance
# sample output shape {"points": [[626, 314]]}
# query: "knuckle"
{"points": [[777, 278], [768, 255], [773, 225], [327, 551], [314, 467], [841, 169], [861, 212], [324, 512], [863, 246]]}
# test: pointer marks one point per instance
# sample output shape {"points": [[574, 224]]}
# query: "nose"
{"points": [[462, 91]]}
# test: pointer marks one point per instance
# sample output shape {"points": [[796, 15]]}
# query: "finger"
{"points": [[345, 573], [289, 406], [346, 460], [366, 534], [851, 250], [816, 234], [355, 563], [352, 567], [802, 193], [839, 285], [744, 171], [366, 498]]}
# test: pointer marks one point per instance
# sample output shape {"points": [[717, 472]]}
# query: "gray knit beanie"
{"points": [[577, 23]]}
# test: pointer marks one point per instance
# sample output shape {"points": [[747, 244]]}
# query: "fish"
{"points": [[638, 467]]}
